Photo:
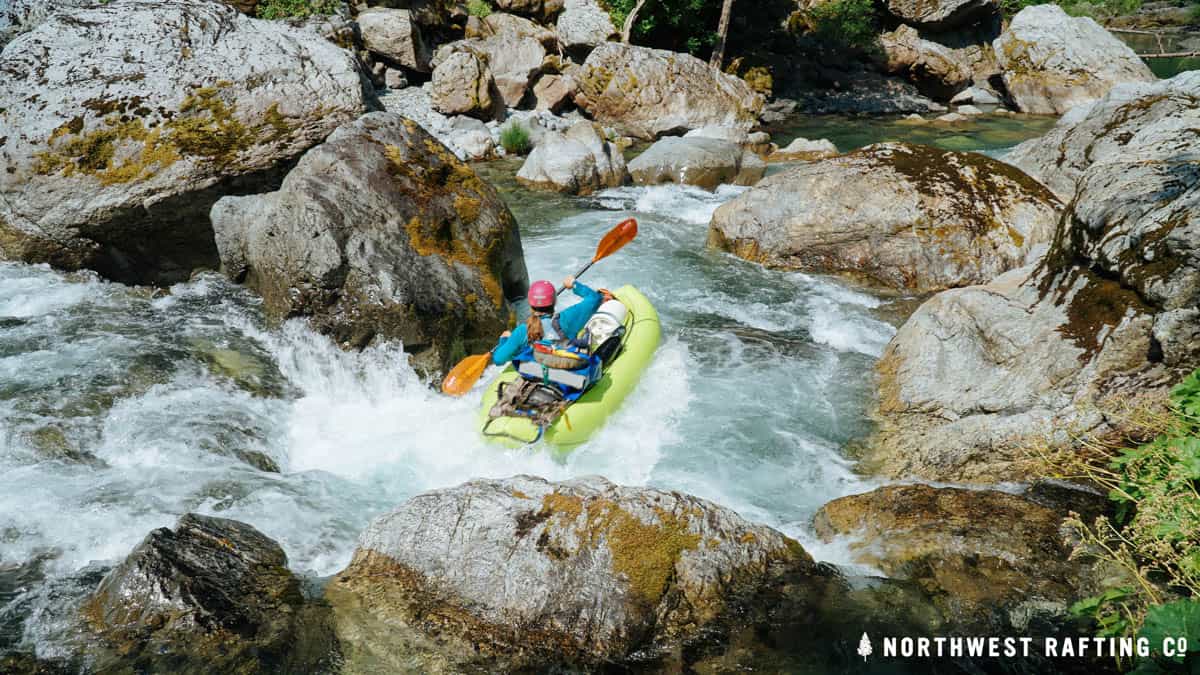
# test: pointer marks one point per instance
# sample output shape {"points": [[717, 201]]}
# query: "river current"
{"points": [[122, 408]]}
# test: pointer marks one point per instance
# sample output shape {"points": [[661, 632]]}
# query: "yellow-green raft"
{"points": [[585, 416]]}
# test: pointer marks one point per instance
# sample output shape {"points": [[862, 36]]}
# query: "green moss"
{"points": [[645, 553], [207, 128]]}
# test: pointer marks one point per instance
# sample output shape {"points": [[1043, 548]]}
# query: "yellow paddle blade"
{"points": [[616, 239], [464, 376]]}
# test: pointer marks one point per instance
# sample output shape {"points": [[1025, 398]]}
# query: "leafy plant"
{"points": [[681, 25], [479, 8], [843, 24], [1151, 470], [515, 139], [290, 9]]}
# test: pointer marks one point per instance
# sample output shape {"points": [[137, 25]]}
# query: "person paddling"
{"points": [[544, 324]]}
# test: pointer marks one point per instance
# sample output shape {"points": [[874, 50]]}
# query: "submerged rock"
{"points": [[647, 93], [577, 162], [946, 540], [380, 232], [697, 160], [1052, 62], [123, 124], [900, 216], [212, 595], [804, 150], [978, 373], [524, 572]]}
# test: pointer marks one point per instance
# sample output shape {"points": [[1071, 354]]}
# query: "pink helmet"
{"points": [[542, 294]]}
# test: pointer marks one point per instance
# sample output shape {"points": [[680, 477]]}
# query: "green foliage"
{"points": [[479, 8], [515, 139], [288, 9], [1154, 536], [680, 25], [1173, 620], [845, 24]]}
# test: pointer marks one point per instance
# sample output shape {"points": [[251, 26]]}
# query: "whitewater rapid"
{"points": [[121, 409]]}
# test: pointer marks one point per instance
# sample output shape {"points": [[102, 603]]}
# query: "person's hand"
{"points": [[505, 334], [606, 294], [569, 282]]}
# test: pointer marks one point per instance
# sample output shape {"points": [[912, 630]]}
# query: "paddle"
{"points": [[462, 377]]}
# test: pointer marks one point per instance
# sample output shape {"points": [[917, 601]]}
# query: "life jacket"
{"points": [[571, 382]]}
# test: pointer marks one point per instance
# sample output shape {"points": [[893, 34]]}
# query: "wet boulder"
{"points": [[647, 93], [394, 35], [893, 215], [124, 123], [1052, 62], [211, 595], [697, 160], [380, 232], [982, 577], [1110, 311], [579, 161], [524, 572]]}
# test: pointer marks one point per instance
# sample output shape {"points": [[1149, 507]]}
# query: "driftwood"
{"points": [[1158, 37]]}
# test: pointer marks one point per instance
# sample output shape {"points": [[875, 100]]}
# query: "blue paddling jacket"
{"points": [[571, 320]]}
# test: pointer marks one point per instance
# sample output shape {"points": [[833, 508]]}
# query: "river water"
{"points": [[122, 408]]}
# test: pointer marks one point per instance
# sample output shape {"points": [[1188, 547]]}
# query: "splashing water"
{"points": [[121, 409]]}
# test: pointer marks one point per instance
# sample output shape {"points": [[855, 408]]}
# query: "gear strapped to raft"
{"points": [[553, 377]]}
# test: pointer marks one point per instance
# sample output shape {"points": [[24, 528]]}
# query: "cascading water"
{"points": [[121, 408]]}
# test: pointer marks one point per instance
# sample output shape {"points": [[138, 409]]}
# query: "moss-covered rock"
{"points": [[380, 232], [647, 93], [523, 572], [895, 215], [169, 106]]}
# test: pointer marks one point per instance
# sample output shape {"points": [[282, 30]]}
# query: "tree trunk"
{"points": [[630, 20], [718, 53]]}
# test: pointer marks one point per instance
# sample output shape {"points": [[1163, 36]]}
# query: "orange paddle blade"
{"points": [[616, 239], [464, 376]]}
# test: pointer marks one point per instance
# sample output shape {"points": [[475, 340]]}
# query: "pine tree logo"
{"points": [[864, 647]]}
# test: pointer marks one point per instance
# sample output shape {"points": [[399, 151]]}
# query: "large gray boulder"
{"points": [[577, 162], [583, 24], [211, 595], [893, 215], [1129, 117], [499, 23], [978, 373], [394, 35], [1052, 62], [539, 10], [125, 122], [514, 61], [647, 93], [935, 69], [580, 571], [380, 232], [697, 160], [463, 85], [941, 14]]}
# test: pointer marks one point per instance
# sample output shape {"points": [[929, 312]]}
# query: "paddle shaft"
{"points": [[577, 275]]}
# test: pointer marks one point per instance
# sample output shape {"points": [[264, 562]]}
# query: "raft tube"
{"points": [[586, 415]]}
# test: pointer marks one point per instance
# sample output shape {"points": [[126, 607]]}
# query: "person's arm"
{"points": [[575, 317], [510, 346]]}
